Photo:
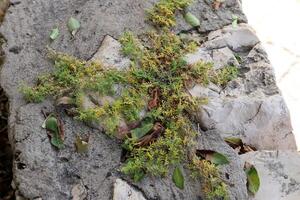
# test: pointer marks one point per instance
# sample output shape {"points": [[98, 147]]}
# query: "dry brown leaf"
{"points": [[154, 101]]}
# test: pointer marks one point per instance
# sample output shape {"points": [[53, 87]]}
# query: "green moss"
{"points": [[224, 75], [163, 13], [158, 74], [213, 187]]}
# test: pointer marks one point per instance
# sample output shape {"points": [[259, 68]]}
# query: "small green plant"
{"points": [[212, 185], [156, 84], [163, 13]]}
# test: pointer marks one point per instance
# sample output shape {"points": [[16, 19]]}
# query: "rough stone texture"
{"points": [[279, 174], [251, 106], [42, 172], [110, 54], [123, 191], [211, 140], [164, 189]]}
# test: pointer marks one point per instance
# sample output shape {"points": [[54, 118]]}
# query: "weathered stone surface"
{"points": [[42, 171], [123, 191], [251, 106], [279, 173], [164, 188], [239, 39], [39, 169], [235, 176], [110, 55]]}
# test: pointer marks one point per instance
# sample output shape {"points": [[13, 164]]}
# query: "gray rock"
{"points": [[279, 173], [110, 54], [250, 107], [239, 39], [200, 55], [123, 191], [42, 171], [79, 192], [164, 188], [224, 57], [211, 140]]}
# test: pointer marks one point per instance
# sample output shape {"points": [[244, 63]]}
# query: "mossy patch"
{"points": [[156, 84]]}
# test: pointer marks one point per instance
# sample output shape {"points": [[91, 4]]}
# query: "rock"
{"points": [[224, 57], [250, 107], [164, 188], [200, 55], [79, 192], [42, 171], [211, 19], [239, 39], [110, 54], [279, 173], [211, 140], [123, 191]]}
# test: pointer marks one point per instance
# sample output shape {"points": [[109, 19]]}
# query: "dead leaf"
{"points": [[238, 145], [81, 144], [153, 103], [157, 130], [63, 101]]}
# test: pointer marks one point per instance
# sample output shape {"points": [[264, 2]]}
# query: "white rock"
{"points": [[279, 173], [200, 55], [261, 122], [123, 191], [240, 38], [110, 55], [223, 57]]}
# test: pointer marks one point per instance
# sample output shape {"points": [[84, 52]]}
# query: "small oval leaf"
{"points": [[142, 131], [191, 19], [178, 178], [219, 159], [52, 124], [54, 34], [253, 181], [73, 25]]}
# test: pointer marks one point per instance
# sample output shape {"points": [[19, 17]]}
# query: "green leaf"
{"points": [[54, 34], [253, 181], [81, 145], [191, 19], [57, 142], [178, 178], [53, 127], [44, 123], [219, 159], [212, 156], [142, 131], [52, 124], [73, 25]]}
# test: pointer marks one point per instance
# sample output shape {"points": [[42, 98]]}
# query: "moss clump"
{"points": [[156, 83], [163, 13], [212, 185]]}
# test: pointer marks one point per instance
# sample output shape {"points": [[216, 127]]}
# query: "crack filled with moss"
{"points": [[146, 106]]}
